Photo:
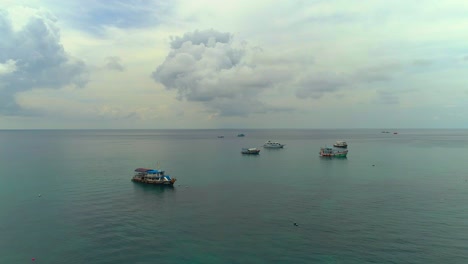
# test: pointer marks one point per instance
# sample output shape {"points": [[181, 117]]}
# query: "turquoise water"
{"points": [[66, 197]]}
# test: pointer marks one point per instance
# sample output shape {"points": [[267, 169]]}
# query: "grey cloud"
{"points": [[114, 63], [377, 73], [209, 67], [387, 97], [318, 85], [40, 60], [244, 107]]}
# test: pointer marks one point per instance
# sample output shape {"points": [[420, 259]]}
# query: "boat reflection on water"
{"points": [[146, 189]]}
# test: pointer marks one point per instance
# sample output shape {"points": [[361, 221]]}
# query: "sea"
{"points": [[66, 196]]}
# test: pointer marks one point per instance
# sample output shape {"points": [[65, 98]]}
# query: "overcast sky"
{"points": [[233, 64]]}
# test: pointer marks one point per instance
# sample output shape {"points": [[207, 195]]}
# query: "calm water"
{"points": [[66, 197]]}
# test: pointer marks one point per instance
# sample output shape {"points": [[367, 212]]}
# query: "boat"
{"points": [[254, 151], [220, 136], [340, 144], [271, 144], [333, 152], [152, 176], [241, 135]]}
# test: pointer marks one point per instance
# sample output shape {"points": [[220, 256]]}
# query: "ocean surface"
{"points": [[66, 197]]}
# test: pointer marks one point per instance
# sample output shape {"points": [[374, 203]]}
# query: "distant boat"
{"points": [[220, 136], [333, 152], [395, 133], [386, 132], [340, 144], [241, 135], [254, 151], [271, 144], [151, 176]]}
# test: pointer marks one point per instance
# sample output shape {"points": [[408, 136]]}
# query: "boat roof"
{"points": [[149, 171], [142, 169]]}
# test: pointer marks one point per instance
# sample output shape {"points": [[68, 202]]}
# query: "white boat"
{"points": [[340, 144], [271, 144], [254, 151]]}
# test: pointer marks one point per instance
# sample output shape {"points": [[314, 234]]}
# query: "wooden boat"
{"points": [[151, 176], [333, 152]]}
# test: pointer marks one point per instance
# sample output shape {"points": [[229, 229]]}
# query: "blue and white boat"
{"points": [[152, 176]]}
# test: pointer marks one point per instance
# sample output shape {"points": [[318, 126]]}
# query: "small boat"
{"points": [[254, 151], [241, 135], [394, 133], [340, 144], [151, 176], [271, 144], [220, 136], [333, 152]]}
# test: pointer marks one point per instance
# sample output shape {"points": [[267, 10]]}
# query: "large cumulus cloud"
{"points": [[211, 67], [33, 57], [231, 79]]}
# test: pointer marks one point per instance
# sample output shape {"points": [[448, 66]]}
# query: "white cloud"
{"points": [[211, 67], [8, 67]]}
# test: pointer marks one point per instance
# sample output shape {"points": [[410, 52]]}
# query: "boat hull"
{"points": [[341, 155], [154, 182], [250, 152], [268, 146]]}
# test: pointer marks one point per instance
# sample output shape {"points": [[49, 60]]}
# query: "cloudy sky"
{"points": [[233, 64]]}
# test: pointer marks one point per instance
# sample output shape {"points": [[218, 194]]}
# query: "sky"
{"points": [[206, 64]]}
